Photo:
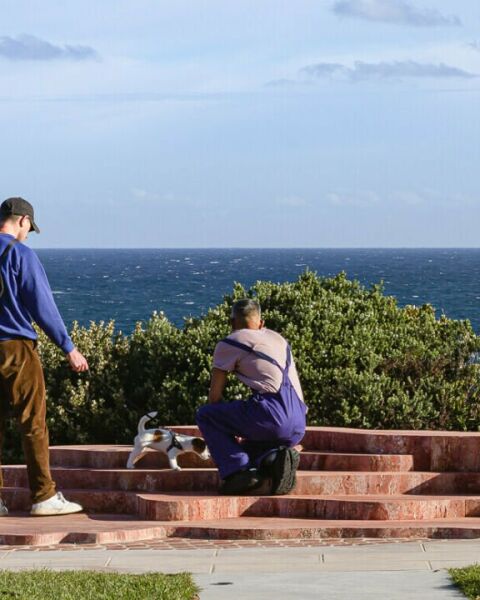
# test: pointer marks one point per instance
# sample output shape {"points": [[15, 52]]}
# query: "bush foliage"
{"points": [[363, 362]]}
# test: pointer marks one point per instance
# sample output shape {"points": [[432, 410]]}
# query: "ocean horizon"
{"points": [[259, 248], [129, 284]]}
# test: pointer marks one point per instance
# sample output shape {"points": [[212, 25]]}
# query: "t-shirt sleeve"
{"points": [[225, 357]]}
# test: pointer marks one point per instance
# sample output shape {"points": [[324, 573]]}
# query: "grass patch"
{"points": [[92, 585], [468, 580]]}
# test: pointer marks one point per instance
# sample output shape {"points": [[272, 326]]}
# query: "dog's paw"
{"points": [[177, 468]]}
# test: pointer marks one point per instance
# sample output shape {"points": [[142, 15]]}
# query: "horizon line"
{"points": [[190, 248]]}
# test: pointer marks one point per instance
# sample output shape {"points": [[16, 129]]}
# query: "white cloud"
{"points": [[358, 198], [430, 198], [282, 83], [29, 47], [292, 201], [143, 195], [393, 11], [404, 69]]}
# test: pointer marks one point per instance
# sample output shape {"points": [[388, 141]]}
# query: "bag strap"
{"points": [[9, 246], [7, 249]]}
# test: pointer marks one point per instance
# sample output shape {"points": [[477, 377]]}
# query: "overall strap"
{"points": [[256, 352], [289, 358]]}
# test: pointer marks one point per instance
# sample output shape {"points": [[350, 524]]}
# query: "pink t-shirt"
{"points": [[255, 372]]}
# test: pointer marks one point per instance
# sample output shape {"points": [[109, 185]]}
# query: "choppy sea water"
{"points": [[128, 285]]}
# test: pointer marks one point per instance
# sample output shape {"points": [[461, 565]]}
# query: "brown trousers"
{"points": [[22, 396]]}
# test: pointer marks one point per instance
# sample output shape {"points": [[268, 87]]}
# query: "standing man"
{"points": [[25, 296], [252, 441]]}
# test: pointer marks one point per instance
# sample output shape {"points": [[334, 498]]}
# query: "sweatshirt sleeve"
{"points": [[37, 297]]}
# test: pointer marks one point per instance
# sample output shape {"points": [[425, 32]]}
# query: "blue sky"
{"points": [[207, 123]]}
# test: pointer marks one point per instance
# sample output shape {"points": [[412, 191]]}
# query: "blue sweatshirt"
{"points": [[28, 297]]}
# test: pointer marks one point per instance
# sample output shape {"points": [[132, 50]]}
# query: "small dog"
{"points": [[167, 441]]}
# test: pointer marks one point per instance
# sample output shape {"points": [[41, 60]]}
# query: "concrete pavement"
{"points": [[387, 570]]}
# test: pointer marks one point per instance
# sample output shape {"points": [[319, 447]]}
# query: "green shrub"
{"points": [[362, 360], [468, 580]]}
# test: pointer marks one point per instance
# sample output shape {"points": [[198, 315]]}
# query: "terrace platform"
{"points": [[351, 484]]}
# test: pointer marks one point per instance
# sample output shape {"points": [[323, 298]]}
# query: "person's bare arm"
{"points": [[217, 385]]}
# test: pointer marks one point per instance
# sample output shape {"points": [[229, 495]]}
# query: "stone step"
{"points": [[141, 480], [115, 457], [323, 483], [311, 460], [432, 450], [189, 507], [21, 529], [376, 508], [93, 501], [258, 528]]}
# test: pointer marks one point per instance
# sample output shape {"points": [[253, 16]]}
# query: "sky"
{"points": [[254, 123]]}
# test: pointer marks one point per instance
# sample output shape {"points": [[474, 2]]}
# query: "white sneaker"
{"points": [[3, 509], [56, 505]]}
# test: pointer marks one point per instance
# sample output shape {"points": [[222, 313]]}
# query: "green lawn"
{"points": [[468, 580], [92, 585]]}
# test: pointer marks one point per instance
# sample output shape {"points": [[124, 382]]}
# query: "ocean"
{"points": [[128, 285]]}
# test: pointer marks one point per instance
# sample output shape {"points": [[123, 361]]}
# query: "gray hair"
{"points": [[243, 310]]}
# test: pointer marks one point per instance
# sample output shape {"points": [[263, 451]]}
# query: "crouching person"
{"points": [[252, 441]]}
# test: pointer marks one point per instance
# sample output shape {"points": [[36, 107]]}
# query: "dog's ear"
{"points": [[198, 445]]}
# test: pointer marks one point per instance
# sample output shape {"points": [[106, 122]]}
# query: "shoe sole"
{"points": [[283, 471], [241, 486], [55, 514]]}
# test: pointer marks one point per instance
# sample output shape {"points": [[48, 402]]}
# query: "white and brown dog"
{"points": [[164, 440]]}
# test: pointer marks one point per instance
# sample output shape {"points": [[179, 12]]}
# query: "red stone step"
{"points": [[432, 450], [258, 528], [346, 483], [21, 529], [323, 483], [383, 508], [347, 461], [188, 507], [93, 501], [142, 480], [115, 457]]}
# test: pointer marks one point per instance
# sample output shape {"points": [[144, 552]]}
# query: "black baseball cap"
{"points": [[20, 208]]}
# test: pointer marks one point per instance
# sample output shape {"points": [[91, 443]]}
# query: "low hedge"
{"points": [[363, 362]]}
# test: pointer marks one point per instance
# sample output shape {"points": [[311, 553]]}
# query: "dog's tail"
{"points": [[144, 420]]}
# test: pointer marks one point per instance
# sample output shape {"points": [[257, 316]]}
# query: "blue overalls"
{"points": [[265, 421]]}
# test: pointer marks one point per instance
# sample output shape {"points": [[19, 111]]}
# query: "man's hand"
{"points": [[77, 361]]}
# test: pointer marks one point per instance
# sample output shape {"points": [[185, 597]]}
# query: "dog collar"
{"points": [[174, 443]]}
